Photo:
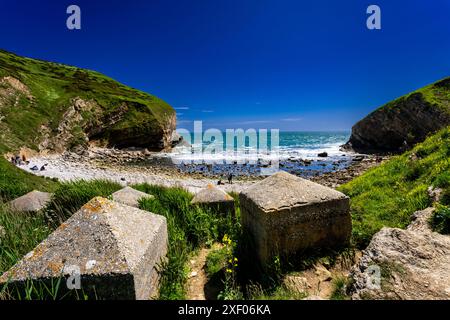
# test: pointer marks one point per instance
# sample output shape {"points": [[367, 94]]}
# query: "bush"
{"points": [[216, 261], [445, 200], [440, 221], [442, 180]]}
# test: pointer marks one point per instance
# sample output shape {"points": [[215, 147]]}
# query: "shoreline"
{"points": [[129, 167]]}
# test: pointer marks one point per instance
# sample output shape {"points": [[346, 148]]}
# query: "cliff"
{"points": [[53, 107], [400, 124]]}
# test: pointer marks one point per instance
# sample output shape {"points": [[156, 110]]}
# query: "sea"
{"points": [[300, 153]]}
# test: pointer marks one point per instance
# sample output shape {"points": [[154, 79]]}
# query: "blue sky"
{"points": [[292, 65]]}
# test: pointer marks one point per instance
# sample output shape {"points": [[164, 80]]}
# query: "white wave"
{"points": [[193, 154]]}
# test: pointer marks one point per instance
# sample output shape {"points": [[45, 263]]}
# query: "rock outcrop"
{"points": [[400, 124], [404, 264], [285, 215], [113, 249], [31, 202], [63, 107]]}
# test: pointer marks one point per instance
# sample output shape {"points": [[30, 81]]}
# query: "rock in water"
{"points": [[404, 264], [214, 198], [31, 202], [130, 196], [286, 214], [323, 154], [113, 247]]}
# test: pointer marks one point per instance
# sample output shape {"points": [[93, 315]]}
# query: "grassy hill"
{"points": [[387, 195], [41, 100], [401, 123]]}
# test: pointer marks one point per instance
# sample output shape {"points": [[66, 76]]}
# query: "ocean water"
{"points": [[295, 152]]}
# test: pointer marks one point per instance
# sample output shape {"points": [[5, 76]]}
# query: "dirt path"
{"points": [[197, 276]]}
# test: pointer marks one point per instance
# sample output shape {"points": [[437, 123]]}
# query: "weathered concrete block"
{"points": [[31, 202], [130, 196], [214, 198], [116, 249], [286, 214]]}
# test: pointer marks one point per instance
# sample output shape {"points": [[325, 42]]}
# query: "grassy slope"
{"points": [[437, 94], [53, 85], [387, 195]]}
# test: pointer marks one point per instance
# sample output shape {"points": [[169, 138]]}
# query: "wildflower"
{"points": [[229, 270]]}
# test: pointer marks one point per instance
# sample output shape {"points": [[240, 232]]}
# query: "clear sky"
{"points": [[292, 65]]}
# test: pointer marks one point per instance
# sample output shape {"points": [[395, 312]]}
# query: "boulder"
{"points": [[323, 154], [214, 198], [130, 196], [285, 215], [31, 202], [404, 264], [114, 248]]}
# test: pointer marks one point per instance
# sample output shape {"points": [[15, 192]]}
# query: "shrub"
{"points": [[440, 221], [216, 261], [445, 200]]}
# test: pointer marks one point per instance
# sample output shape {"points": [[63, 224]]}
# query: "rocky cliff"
{"points": [[53, 107], [400, 124]]}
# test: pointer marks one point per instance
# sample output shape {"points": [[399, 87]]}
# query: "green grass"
{"points": [[340, 285], [15, 182], [216, 261], [436, 94], [22, 233], [388, 195], [190, 227], [440, 221], [280, 292]]}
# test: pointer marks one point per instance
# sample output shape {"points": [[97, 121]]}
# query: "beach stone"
{"points": [[31, 202], [130, 196], [113, 247], [214, 198], [285, 215]]}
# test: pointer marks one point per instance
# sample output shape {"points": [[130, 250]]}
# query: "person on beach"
{"points": [[230, 178]]}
